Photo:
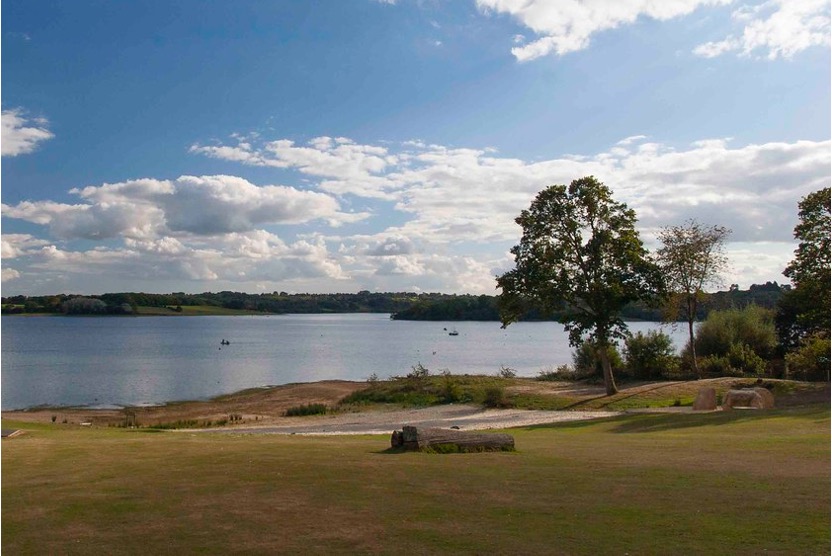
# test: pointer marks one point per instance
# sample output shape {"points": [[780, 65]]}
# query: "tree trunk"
{"points": [[691, 318], [609, 380], [693, 351], [413, 438]]}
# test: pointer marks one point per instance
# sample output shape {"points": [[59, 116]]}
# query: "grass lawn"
{"points": [[740, 482]]}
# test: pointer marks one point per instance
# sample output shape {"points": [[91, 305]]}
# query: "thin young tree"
{"points": [[581, 259], [691, 259]]}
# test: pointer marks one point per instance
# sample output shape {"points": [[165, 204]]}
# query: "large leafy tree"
{"points": [[805, 310], [580, 257], [691, 259]]}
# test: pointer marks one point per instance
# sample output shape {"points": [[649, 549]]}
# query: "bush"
{"points": [[451, 391], [562, 372], [588, 365], [495, 396], [742, 358], [506, 372], [418, 372], [810, 361], [714, 366], [650, 356], [307, 409], [735, 342], [752, 326]]}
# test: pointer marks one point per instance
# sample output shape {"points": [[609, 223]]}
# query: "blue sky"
{"points": [[340, 146]]}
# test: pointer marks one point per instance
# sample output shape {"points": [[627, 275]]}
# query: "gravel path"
{"points": [[466, 417]]}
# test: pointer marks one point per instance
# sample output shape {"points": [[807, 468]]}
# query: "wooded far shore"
{"points": [[400, 305]]}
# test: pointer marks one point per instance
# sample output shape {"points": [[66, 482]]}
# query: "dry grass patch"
{"points": [[739, 483]]}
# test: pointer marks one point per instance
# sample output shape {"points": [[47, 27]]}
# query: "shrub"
{"points": [[562, 372], [735, 342], [810, 361], [714, 366], [752, 326], [742, 358], [451, 391], [495, 396], [506, 372], [650, 356], [307, 409], [418, 372], [588, 365]]}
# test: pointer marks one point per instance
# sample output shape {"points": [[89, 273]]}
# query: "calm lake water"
{"points": [[105, 361]]}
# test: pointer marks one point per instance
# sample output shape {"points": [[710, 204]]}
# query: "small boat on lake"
{"points": [[453, 333]]}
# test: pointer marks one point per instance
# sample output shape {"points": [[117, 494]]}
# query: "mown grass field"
{"points": [[738, 482]]}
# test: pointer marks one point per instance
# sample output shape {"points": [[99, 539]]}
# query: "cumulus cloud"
{"points": [[16, 245], [443, 217], [345, 165], [9, 274], [463, 200], [563, 27], [22, 135], [454, 195], [204, 205], [774, 29], [231, 259]]}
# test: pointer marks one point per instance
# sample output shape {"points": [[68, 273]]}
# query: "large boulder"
{"points": [[768, 397], [755, 398], [705, 400]]}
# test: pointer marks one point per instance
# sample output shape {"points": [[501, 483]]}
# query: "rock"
{"points": [[767, 396], [705, 400], [756, 398]]}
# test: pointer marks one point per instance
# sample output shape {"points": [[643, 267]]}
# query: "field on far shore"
{"points": [[740, 482]]}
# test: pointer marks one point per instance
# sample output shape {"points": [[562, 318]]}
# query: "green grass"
{"points": [[721, 483], [307, 409], [428, 390]]}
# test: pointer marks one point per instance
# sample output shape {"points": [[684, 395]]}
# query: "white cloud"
{"points": [[230, 259], [443, 217], [563, 27], [775, 29], [456, 199], [16, 245], [9, 274], [21, 135], [205, 205]]}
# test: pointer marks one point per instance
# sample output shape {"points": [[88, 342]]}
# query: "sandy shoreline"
{"points": [[263, 410], [466, 417]]}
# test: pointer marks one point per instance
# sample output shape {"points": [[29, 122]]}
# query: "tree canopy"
{"points": [[581, 257], [805, 311], [691, 259]]}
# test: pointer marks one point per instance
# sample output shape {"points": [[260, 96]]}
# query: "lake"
{"points": [[113, 361]]}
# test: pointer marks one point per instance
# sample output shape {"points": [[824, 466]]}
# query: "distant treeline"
{"points": [[401, 305], [484, 307], [276, 302]]}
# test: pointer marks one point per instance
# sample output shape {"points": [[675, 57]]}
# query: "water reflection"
{"points": [[86, 361]]}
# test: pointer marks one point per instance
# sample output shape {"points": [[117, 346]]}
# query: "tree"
{"points": [[809, 270], [691, 259], [580, 256]]}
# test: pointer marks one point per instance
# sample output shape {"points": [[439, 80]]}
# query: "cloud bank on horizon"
{"points": [[339, 213]]}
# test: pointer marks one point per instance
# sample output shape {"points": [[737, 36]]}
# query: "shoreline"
{"points": [[263, 409]]}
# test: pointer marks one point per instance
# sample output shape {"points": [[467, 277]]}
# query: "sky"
{"points": [[388, 145]]}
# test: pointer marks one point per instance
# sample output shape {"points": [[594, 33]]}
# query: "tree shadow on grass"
{"points": [[616, 398], [657, 422], [660, 423]]}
